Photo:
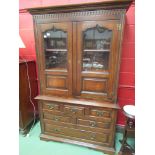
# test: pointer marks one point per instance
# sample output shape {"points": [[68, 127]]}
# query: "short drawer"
{"points": [[92, 136], [94, 123], [51, 106], [57, 118], [100, 112], [73, 110]]}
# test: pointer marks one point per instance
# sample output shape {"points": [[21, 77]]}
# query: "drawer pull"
{"points": [[74, 110], [92, 137], [56, 118], [56, 130], [99, 113], [51, 106], [93, 123]]}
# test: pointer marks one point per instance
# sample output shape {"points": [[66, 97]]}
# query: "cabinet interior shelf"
{"points": [[56, 50], [96, 50]]}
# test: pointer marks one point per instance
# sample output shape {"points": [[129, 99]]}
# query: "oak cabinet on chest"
{"points": [[78, 55]]}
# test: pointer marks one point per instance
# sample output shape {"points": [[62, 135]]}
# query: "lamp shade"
{"points": [[21, 44]]}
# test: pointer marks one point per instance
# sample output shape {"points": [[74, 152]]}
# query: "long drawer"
{"points": [[76, 126], [94, 123], [83, 134]]}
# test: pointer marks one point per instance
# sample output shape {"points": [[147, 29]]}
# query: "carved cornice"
{"points": [[105, 4], [73, 15]]}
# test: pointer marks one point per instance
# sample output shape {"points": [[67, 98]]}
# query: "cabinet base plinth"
{"points": [[106, 150]]}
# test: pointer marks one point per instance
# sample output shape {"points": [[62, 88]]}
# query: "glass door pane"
{"points": [[55, 58], [55, 43], [96, 59], [96, 48]]}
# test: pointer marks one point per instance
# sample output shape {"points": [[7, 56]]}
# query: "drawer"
{"points": [[73, 110], [98, 119], [94, 123], [92, 136], [100, 112], [57, 118], [51, 106], [73, 125]]}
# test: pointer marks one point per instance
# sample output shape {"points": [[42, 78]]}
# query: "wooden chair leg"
{"points": [[123, 141]]}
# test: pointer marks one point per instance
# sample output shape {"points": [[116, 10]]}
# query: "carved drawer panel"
{"points": [[98, 119], [51, 106], [94, 123], [73, 110], [92, 136], [53, 112], [100, 112], [57, 118]]}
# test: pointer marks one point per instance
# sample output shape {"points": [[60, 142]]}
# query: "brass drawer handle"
{"points": [[56, 118], [92, 137], [93, 123], [74, 111], [99, 113], [56, 130], [51, 106]]}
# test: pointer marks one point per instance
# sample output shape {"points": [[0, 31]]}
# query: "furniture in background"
{"points": [[129, 130], [26, 110], [78, 54]]}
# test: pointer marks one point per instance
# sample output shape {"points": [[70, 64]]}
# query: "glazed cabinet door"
{"points": [[55, 58], [97, 47]]}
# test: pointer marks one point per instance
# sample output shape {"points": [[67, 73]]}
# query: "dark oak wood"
{"points": [[100, 88], [105, 4], [25, 107], [77, 101], [56, 85], [77, 141], [77, 104]]}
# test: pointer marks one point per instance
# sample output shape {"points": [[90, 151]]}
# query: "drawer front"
{"points": [[100, 112], [51, 106], [73, 110], [98, 119], [57, 118], [94, 123], [73, 125], [92, 136]]}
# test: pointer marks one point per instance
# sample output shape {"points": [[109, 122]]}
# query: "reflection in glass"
{"points": [[97, 41], [55, 42]]}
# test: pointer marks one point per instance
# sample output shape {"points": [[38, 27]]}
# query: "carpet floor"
{"points": [[32, 145]]}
